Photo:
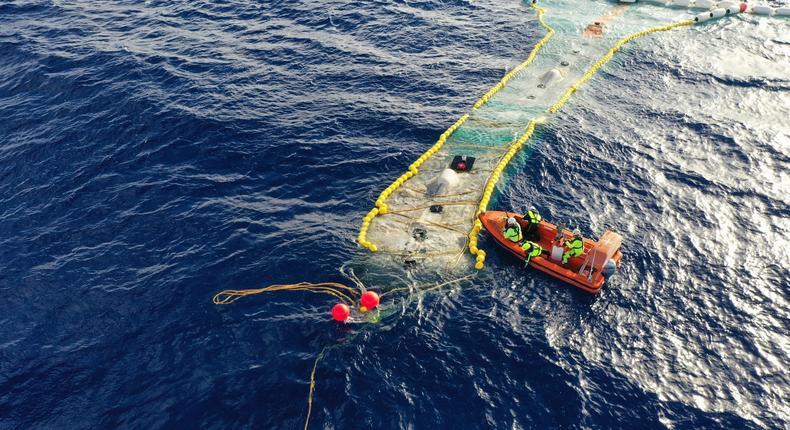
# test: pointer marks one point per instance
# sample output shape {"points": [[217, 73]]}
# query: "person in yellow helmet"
{"points": [[513, 230], [575, 246], [532, 249]]}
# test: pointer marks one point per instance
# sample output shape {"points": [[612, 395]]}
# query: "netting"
{"points": [[419, 227]]}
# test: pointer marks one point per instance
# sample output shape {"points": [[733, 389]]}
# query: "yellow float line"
{"points": [[516, 146], [381, 205]]}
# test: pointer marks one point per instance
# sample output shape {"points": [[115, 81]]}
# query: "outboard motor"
{"points": [[609, 268]]}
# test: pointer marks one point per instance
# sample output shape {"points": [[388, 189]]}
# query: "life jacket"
{"points": [[575, 246], [532, 249], [513, 234], [532, 217]]}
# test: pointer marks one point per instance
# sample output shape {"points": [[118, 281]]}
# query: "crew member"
{"points": [[575, 246], [513, 230], [532, 217], [532, 249]]}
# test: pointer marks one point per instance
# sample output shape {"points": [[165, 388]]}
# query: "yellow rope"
{"points": [[332, 288], [381, 205], [420, 255], [516, 146], [312, 388], [419, 208], [438, 195], [432, 287], [440, 225], [320, 356]]}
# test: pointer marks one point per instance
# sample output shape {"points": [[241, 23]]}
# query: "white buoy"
{"points": [[681, 3], [762, 9], [702, 17], [718, 12], [782, 11]]}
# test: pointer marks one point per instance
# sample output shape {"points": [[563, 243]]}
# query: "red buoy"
{"points": [[340, 312], [460, 166], [369, 300]]}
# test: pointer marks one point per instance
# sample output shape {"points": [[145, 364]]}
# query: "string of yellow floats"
{"points": [[516, 146], [480, 255], [381, 202]]}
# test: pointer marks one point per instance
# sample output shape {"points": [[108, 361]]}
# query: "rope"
{"points": [[419, 208], [332, 288], [516, 146], [420, 254], [381, 205], [312, 388], [433, 287], [321, 354], [430, 223], [439, 195]]}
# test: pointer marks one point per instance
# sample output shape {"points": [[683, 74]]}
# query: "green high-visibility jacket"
{"points": [[513, 234], [532, 217], [532, 249], [575, 247]]}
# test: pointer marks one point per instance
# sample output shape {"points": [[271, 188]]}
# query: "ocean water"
{"points": [[154, 153]]}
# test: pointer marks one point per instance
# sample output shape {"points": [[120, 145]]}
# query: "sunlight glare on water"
{"points": [[154, 153]]}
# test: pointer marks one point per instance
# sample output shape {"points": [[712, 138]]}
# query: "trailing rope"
{"points": [[381, 205], [321, 354], [420, 208], [516, 146], [332, 288], [312, 388], [432, 287], [435, 224]]}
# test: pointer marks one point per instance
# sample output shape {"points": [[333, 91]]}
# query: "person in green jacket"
{"points": [[532, 249], [513, 230], [532, 217], [575, 246]]}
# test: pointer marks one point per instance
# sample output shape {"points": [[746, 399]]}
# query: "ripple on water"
{"points": [[154, 153]]}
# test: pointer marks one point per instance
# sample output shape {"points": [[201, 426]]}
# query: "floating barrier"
{"points": [[381, 206], [409, 214], [480, 254]]}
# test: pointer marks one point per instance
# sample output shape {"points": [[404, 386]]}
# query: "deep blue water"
{"points": [[154, 153]]}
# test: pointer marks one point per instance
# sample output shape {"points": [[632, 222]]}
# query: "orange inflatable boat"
{"points": [[588, 271]]}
